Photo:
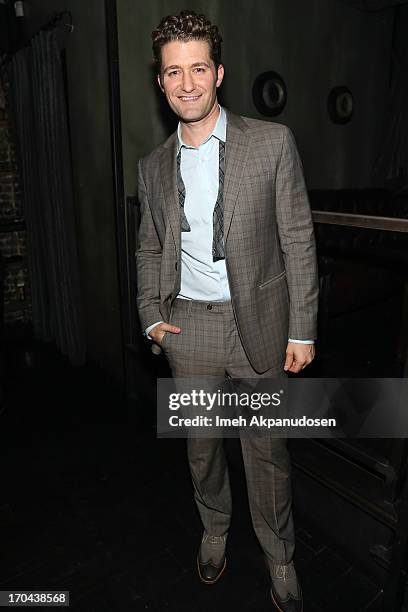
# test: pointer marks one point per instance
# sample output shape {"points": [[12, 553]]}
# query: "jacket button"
{"points": [[209, 307]]}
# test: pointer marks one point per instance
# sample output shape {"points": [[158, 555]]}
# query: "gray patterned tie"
{"points": [[185, 226], [218, 214]]}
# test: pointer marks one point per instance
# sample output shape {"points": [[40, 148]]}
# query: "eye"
{"points": [[172, 73], [199, 69]]}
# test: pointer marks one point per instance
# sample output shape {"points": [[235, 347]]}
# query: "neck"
{"points": [[196, 132]]}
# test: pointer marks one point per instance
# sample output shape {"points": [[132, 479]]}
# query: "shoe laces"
{"points": [[213, 539], [282, 571]]}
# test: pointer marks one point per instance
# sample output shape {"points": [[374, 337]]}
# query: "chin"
{"points": [[190, 118], [187, 117]]}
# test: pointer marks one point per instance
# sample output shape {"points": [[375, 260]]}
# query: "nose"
{"points": [[188, 83]]}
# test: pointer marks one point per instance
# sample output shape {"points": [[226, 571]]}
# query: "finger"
{"points": [[297, 364], [289, 361], [170, 328], [307, 362]]}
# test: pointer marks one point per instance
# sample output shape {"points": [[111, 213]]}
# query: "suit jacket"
{"points": [[268, 233]]}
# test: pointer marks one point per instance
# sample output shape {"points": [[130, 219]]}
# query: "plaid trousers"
{"points": [[209, 345]]}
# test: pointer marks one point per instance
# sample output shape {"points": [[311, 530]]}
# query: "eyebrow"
{"points": [[195, 65]]}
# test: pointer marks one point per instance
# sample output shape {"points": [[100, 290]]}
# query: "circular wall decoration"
{"points": [[340, 104], [269, 93]]}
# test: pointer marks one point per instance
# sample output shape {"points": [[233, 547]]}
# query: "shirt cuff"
{"points": [[301, 341], [149, 329]]}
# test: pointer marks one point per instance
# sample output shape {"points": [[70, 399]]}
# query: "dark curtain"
{"points": [[42, 127], [391, 165], [392, 161]]}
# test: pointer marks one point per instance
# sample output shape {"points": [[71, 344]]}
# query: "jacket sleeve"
{"points": [[295, 227], [148, 261]]}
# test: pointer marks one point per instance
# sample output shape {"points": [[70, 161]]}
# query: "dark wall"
{"points": [[314, 45], [88, 97]]}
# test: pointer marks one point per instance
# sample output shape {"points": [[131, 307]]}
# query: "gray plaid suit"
{"points": [[269, 240], [272, 273]]}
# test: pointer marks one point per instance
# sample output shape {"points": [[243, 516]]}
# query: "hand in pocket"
{"points": [[158, 333]]}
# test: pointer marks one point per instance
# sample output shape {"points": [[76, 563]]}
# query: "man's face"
{"points": [[189, 79]]}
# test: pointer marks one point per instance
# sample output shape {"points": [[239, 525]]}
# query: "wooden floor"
{"points": [[93, 503]]}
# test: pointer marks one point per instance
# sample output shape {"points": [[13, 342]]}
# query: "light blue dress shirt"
{"points": [[201, 277]]}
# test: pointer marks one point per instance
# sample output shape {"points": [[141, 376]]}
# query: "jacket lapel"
{"points": [[236, 155], [168, 173]]}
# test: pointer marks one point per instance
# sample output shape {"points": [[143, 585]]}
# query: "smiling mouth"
{"points": [[188, 98]]}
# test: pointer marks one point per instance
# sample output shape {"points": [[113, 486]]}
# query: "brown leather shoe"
{"points": [[211, 559]]}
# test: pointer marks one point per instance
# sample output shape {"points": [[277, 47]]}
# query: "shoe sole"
{"points": [[215, 579]]}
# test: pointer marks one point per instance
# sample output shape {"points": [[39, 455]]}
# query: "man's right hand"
{"points": [[161, 329]]}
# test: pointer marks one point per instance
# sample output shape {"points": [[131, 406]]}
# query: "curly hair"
{"points": [[186, 26]]}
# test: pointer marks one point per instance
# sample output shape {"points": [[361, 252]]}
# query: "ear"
{"points": [[220, 75], [160, 83]]}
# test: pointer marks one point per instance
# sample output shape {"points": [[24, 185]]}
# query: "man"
{"points": [[227, 279]]}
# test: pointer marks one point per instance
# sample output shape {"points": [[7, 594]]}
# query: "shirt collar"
{"points": [[219, 131]]}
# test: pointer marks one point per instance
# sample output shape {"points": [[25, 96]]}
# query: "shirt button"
{"points": [[209, 307]]}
